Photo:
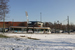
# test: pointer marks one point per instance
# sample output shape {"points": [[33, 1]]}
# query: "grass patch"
{"points": [[33, 38], [3, 36]]}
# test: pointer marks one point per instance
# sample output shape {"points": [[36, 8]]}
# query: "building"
{"points": [[8, 24], [30, 24], [35, 24]]}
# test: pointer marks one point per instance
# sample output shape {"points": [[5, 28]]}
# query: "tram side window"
{"points": [[46, 30], [35, 29], [11, 29], [30, 29], [25, 29], [19, 29], [41, 29], [16, 29]]}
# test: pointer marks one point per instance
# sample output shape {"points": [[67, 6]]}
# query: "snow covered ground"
{"points": [[46, 42]]}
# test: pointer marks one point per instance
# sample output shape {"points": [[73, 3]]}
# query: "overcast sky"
{"points": [[52, 10]]}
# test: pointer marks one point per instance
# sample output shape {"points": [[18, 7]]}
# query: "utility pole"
{"points": [[58, 25], [55, 26], [68, 24], [12, 22]]}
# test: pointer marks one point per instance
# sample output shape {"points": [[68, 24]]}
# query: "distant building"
{"points": [[8, 24], [35, 24]]}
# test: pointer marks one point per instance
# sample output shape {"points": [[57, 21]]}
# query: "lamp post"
{"points": [[27, 20]]}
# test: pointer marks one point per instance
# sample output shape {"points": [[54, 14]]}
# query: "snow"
{"points": [[46, 42]]}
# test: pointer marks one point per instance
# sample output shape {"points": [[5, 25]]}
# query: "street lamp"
{"points": [[27, 20]]}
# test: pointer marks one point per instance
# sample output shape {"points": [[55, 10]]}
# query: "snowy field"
{"points": [[46, 42]]}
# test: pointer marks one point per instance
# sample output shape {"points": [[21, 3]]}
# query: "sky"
{"points": [[51, 10]]}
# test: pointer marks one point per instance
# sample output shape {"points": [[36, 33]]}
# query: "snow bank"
{"points": [[43, 36]]}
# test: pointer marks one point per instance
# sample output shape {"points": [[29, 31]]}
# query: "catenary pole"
{"points": [[40, 17], [68, 24]]}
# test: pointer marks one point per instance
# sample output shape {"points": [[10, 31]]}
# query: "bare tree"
{"points": [[3, 8]]}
